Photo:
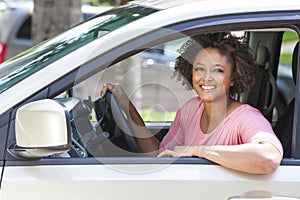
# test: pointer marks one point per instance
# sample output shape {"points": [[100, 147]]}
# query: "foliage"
{"points": [[102, 2], [156, 116], [286, 58], [289, 36]]}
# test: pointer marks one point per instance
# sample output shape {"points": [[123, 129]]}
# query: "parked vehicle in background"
{"points": [[60, 140], [15, 26]]}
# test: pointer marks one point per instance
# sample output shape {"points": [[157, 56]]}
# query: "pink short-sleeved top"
{"points": [[244, 125]]}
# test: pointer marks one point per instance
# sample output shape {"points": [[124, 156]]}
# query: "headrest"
{"points": [[262, 56]]}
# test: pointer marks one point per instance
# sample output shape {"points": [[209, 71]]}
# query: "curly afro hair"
{"points": [[244, 67]]}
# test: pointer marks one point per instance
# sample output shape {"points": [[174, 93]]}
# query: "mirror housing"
{"points": [[42, 129]]}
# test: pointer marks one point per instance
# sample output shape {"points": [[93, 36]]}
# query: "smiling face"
{"points": [[212, 75]]}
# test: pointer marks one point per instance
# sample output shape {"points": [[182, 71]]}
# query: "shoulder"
{"points": [[246, 109], [248, 118], [247, 115]]}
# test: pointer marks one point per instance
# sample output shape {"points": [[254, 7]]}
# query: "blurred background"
{"points": [[24, 23]]}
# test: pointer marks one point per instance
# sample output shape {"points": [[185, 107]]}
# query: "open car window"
{"points": [[148, 79]]}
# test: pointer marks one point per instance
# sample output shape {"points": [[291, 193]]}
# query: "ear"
{"points": [[232, 83]]}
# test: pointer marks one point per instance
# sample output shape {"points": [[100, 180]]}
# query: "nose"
{"points": [[207, 76]]}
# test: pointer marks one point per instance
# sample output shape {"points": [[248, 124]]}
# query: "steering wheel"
{"points": [[121, 122]]}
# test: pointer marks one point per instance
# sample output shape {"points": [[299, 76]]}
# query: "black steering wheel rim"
{"points": [[122, 122]]}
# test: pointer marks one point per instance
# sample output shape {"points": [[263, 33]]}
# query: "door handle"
{"points": [[261, 194]]}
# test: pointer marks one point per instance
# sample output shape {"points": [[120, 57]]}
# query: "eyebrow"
{"points": [[219, 65], [215, 65]]}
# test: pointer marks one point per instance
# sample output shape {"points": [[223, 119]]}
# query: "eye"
{"points": [[218, 70], [199, 69]]}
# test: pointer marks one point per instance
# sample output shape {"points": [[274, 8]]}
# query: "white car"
{"points": [[60, 141]]}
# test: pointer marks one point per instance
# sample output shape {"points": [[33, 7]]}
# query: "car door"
{"points": [[141, 177]]}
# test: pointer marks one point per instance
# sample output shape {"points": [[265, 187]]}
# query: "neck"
{"points": [[214, 113], [217, 109]]}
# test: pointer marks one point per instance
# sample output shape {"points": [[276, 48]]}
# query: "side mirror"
{"points": [[42, 129]]}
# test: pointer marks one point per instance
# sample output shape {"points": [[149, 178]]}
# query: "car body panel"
{"points": [[132, 181], [65, 177]]}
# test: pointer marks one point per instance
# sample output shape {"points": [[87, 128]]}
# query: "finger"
{"points": [[116, 90], [110, 87], [165, 153], [104, 90]]}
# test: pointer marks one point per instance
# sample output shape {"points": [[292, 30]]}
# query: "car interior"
{"points": [[100, 128], [266, 95]]}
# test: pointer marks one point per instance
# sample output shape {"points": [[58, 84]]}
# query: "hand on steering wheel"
{"points": [[118, 93], [119, 103]]}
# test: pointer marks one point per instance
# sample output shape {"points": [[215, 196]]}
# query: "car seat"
{"points": [[284, 126], [263, 94]]}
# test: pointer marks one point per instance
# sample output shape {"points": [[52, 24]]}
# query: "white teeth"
{"points": [[208, 87]]}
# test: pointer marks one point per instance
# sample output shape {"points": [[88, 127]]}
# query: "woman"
{"points": [[213, 125]]}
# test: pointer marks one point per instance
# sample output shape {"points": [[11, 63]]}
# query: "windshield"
{"points": [[39, 56]]}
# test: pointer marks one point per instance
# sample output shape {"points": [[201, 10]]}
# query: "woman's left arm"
{"points": [[255, 157]]}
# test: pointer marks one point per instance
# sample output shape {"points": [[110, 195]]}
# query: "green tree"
{"points": [[108, 2]]}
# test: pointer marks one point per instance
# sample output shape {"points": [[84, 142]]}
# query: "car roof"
{"points": [[210, 5], [162, 4], [196, 9]]}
